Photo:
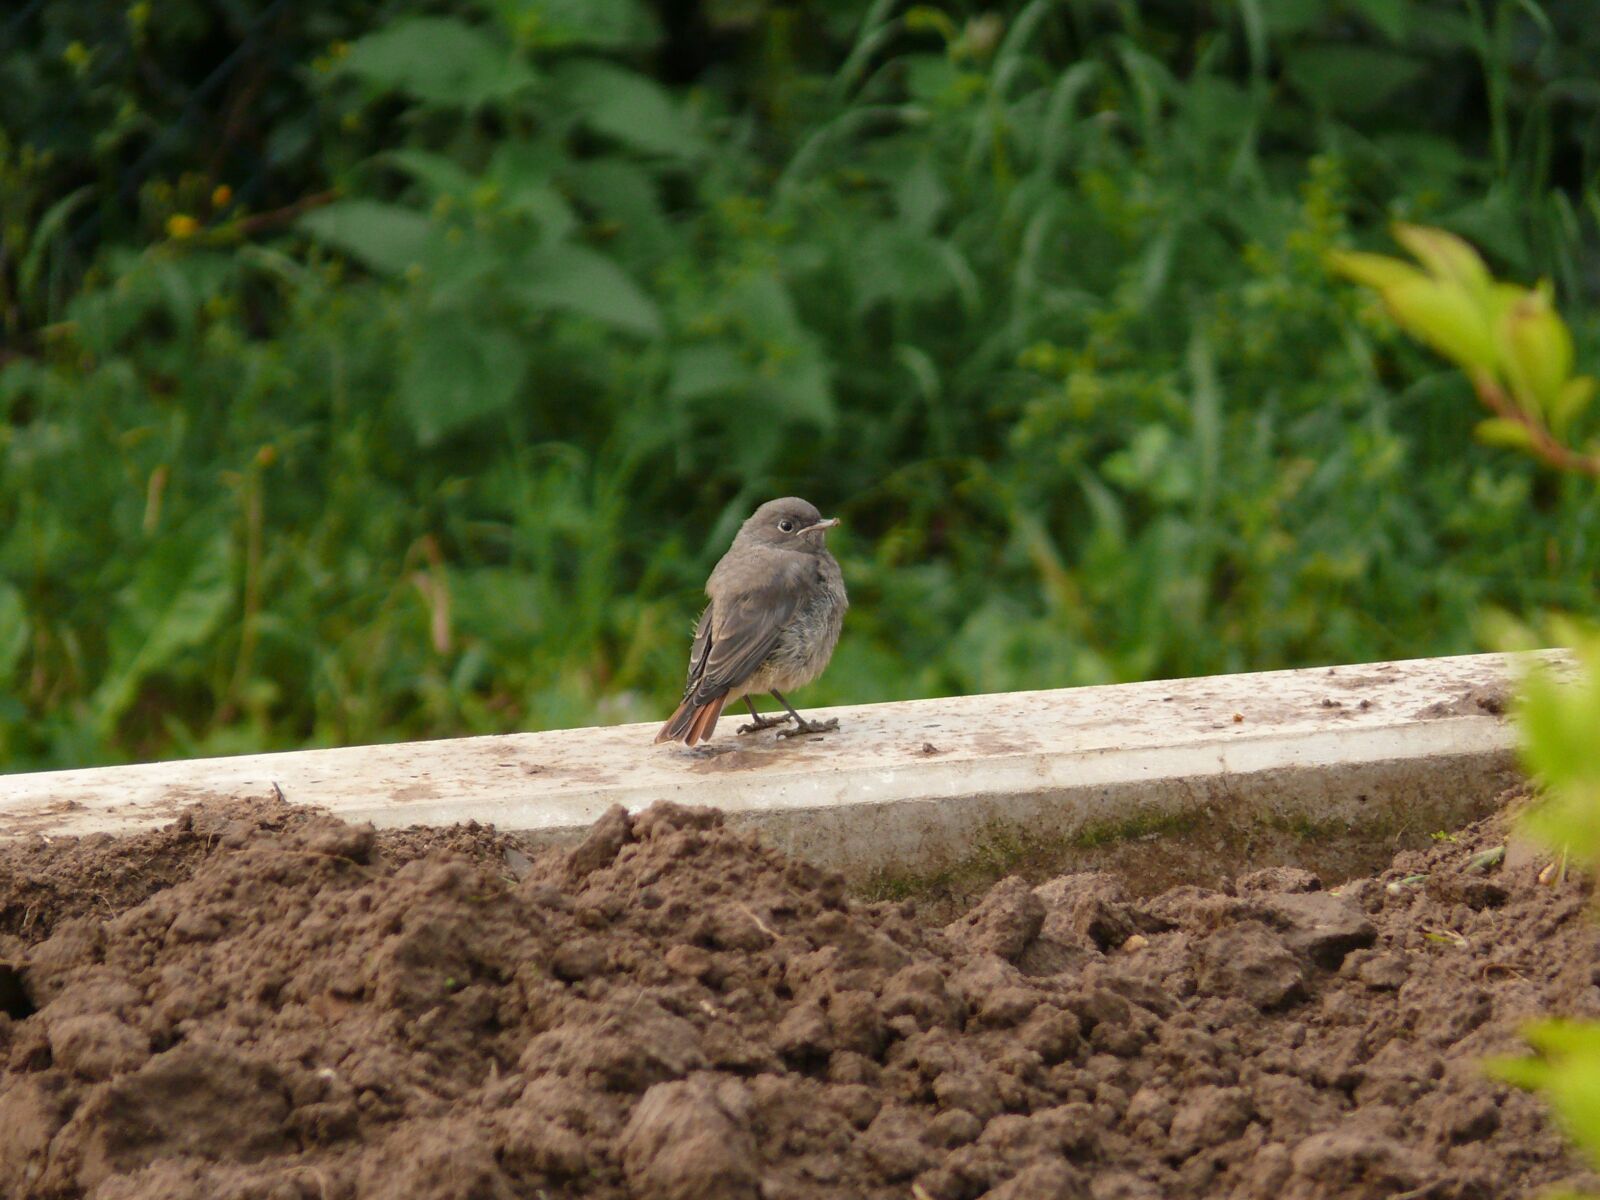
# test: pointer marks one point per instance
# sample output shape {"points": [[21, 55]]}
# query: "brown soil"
{"points": [[262, 1002]]}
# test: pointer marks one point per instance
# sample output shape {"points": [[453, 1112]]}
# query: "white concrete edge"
{"points": [[900, 785]]}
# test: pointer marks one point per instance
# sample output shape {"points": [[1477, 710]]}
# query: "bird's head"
{"points": [[788, 524]]}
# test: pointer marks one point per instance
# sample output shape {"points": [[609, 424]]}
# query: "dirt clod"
{"points": [[258, 1001]]}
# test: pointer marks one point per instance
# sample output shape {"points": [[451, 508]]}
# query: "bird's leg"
{"points": [[759, 722], [801, 725]]}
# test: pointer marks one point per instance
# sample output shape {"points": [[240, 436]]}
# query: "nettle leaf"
{"points": [[762, 304], [459, 371], [181, 592], [625, 105], [796, 383], [801, 388], [439, 60], [622, 192], [386, 237], [440, 175], [709, 370], [585, 281], [524, 171]]}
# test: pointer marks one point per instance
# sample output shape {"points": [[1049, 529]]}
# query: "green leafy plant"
{"points": [[1518, 353], [1510, 341], [402, 374], [1560, 723], [1558, 718]]}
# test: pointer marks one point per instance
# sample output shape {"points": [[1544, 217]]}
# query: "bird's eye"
{"points": [[786, 525]]}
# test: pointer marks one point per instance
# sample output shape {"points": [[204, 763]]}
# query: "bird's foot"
{"points": [[803, 727], [757, 723]]}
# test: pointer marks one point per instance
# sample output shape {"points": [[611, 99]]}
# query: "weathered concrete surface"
{"points": [[913, 788]]}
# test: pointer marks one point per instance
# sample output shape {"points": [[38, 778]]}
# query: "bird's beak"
{"points": [[825, 523]]}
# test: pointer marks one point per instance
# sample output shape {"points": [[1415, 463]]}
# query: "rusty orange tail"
{"points": [[690, 724]]}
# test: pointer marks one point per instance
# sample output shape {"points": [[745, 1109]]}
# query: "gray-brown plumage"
{"points": [[777, 604]]}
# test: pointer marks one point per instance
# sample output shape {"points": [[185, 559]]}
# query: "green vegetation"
{"points": [[380, 370], [1517, 351], [1509, 341]]}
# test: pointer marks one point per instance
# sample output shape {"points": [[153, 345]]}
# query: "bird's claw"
{"points": [[804, 727], [757, 724]]}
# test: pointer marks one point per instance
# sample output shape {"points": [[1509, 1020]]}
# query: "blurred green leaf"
{"points": [[1574, 397], [1152, 463], [442, 176], [1560, 726], [624, 193], [895, 264], [803, 389], [1564, 1039], [1535, 352], [1350, 79], [1502, 431], [706, 371], [439, 60], [459, 370], [1567, 1071], [627, 106], [45, 232], [1450, 259], [934, 79], [1286, 18], [920, 195], [580, 280], [555, 24], [1392, 18], [13, 629], [1218, 110], [524, 172], [385, 237], [1447, 318], [763, 303], [179, 595], [1378, 271]]}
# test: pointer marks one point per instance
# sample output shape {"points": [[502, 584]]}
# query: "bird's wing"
{"points": [[738, 631], [702, 643]]}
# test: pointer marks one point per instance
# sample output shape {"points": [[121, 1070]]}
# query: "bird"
{"points": [[776, 606]]}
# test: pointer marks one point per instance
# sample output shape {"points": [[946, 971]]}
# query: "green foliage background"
{"points": [[375, 370]]}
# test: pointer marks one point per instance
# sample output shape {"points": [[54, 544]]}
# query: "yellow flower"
{"points": [[181, 225], [221, 195]]}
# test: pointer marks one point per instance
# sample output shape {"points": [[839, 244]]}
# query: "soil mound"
{"points": [[261, 1002]]}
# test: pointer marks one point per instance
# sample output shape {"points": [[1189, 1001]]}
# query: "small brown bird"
{"points": [[777, 604]]}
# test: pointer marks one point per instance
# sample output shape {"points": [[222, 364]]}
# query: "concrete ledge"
{"points": [[920, 788]]}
